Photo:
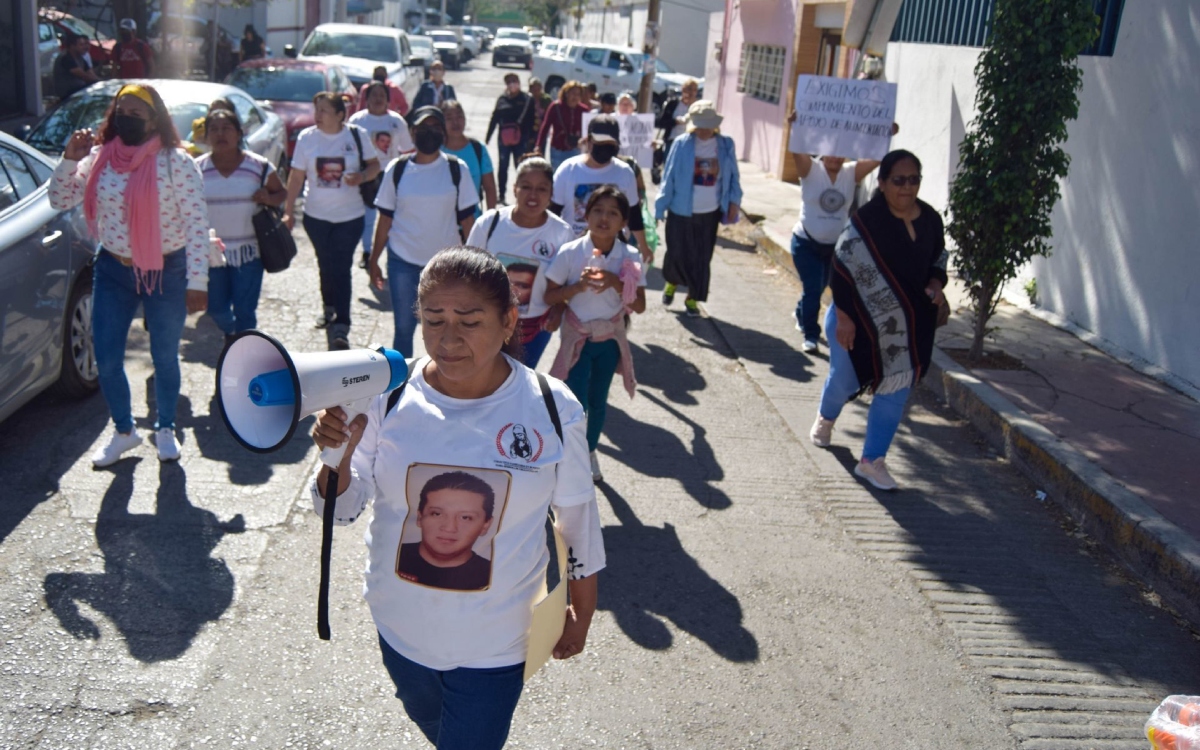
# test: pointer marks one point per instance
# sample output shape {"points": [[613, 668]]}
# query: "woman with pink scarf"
{"points": [[144, 201]]}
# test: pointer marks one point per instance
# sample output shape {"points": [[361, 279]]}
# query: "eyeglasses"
{"points": [[901, 180]]}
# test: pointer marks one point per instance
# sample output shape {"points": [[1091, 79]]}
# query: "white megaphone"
{"points": [[263, 391]]}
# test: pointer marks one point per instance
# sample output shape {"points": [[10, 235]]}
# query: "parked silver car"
{"points": [[186, 100], [45, 286]]}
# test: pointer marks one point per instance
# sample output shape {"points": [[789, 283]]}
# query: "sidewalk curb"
{"points": [[1156, 550]]}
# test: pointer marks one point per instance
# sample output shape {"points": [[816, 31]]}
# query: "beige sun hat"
{"points": [[703, 114]]}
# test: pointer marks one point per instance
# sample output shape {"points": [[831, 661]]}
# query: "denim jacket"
{"points": [[675, 194]]}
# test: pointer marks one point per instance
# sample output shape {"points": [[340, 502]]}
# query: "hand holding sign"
{"points": [[842, 117]]}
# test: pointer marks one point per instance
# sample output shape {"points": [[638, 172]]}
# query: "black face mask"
{"points": [[604, 152], [131, 129], [429, 141]]}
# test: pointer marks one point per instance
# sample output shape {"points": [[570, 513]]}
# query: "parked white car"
{"points": [[512, 45], [549, 46], [471, 41], [612, 68], [359, 49]]}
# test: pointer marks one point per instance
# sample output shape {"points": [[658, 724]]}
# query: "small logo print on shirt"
{"points": [[515, 441]]}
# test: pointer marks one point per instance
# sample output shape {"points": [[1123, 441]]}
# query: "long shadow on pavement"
{"points": [[666, 371], [977, 526], [652, 451], [160, 585], [781, 356], [650, 576]]}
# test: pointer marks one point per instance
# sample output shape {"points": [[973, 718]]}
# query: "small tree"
{"points": [[1012, 159]]}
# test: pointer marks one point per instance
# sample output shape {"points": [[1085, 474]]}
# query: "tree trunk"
{"points": [[983, 306]]}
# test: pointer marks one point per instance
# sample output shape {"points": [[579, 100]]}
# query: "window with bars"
{"points": [[967, 23], [760, 74]]}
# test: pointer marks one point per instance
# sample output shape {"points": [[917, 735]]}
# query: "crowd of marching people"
{"points": [[487, 283]]}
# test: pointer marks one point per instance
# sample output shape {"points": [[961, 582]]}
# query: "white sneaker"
{"points": [[822, 432], [597, 477], [809, 346], [117, 444], [876, 473], [168, 446]]}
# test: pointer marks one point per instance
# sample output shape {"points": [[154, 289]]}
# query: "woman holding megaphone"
{"points": [[463, 465]]}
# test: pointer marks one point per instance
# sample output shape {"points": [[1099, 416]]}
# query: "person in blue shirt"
{"points": [[700, 189], [471, 151]]}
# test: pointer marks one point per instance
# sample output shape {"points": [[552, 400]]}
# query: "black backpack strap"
{"points": [[492, 229], [478, 151], [548, 397], [401, 163], [456, 178], [362, 163], [262, 181], [394, 396]]}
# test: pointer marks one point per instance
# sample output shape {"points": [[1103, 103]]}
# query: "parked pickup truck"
{"points": [[611, 68]]}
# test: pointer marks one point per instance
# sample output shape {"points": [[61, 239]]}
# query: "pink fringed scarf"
{"points": [[141, 204]]}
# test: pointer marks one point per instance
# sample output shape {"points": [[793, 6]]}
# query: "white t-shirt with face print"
{"points": [[526, 253]]}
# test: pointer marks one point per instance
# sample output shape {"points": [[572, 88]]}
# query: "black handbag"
{"points": [[276, 246], [368, 189]]}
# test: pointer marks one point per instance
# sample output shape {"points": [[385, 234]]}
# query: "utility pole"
{"points": [[649, 57]]}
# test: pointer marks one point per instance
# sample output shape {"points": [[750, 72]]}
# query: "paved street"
{"points": [[757, 595]]}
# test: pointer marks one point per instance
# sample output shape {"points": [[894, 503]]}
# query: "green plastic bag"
{"points": [[651, 226]]}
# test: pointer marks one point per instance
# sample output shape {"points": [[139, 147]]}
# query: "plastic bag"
{"points": [[651, 229], [1175, 724]]}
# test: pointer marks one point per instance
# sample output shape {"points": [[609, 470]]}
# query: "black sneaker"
{"points": [[338, 344], [668, 297], [365, 262], [325, 318]]}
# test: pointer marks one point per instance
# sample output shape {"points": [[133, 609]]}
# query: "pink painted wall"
{"points": [[756, 126]]}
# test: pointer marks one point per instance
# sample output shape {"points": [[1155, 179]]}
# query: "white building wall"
{"points": [[1125, 265], [684, 29]]}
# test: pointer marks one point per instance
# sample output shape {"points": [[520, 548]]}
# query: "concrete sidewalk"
{"points": [[1114, 447]]}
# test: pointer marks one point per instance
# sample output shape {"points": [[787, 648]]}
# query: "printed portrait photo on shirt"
{"points": [[705, 174], [329, 171], [454, 513], [382, 140], [582, 193], [522, 273]]}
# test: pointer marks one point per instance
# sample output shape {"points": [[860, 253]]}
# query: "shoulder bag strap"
{"points": [[491, 229], [394, 396]]}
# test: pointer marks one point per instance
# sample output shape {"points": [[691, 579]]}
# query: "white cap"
{"points": [[128, 23]]}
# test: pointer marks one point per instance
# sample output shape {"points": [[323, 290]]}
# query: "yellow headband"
{"points": [[132, 89]]}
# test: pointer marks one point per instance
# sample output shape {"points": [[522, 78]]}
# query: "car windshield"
{"points": [[79, 26], [443, 36], [88, 110], [279, 84], [424, 46], [365, 46], [512, 34]]}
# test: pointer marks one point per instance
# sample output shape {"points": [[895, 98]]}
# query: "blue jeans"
{"points": [[115, 300], [403, 278], [334, 244], [233, 296], [558, 157], [590, 379], [532, 351], [459, 709], [885, 412], [814, 270], [368, 233]]}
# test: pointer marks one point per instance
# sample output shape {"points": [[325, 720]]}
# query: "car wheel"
{"points": [[495, 62], [79, 375], [553, 85]]}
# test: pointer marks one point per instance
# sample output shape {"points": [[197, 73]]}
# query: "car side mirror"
{"points": [[416, 62], [289, 50]]}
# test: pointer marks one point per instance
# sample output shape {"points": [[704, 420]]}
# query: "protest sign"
{"points": [[843, 117], [637, 136]]}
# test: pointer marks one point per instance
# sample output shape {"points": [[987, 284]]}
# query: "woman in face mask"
{"points": [[507, 116], [144, 200], [426, 201]]}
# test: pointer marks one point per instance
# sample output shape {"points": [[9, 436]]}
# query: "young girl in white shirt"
{"points": [[601, 279]]}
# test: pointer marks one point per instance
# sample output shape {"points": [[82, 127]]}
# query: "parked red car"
{"points": [[100, 46], [288, 87]]}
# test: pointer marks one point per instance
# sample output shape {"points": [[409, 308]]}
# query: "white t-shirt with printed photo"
{"points": [[575, 180], [706, 174], [524, 252], [506, 446], [573, 257], [389, 133], [425, 217], [326, 159]]}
